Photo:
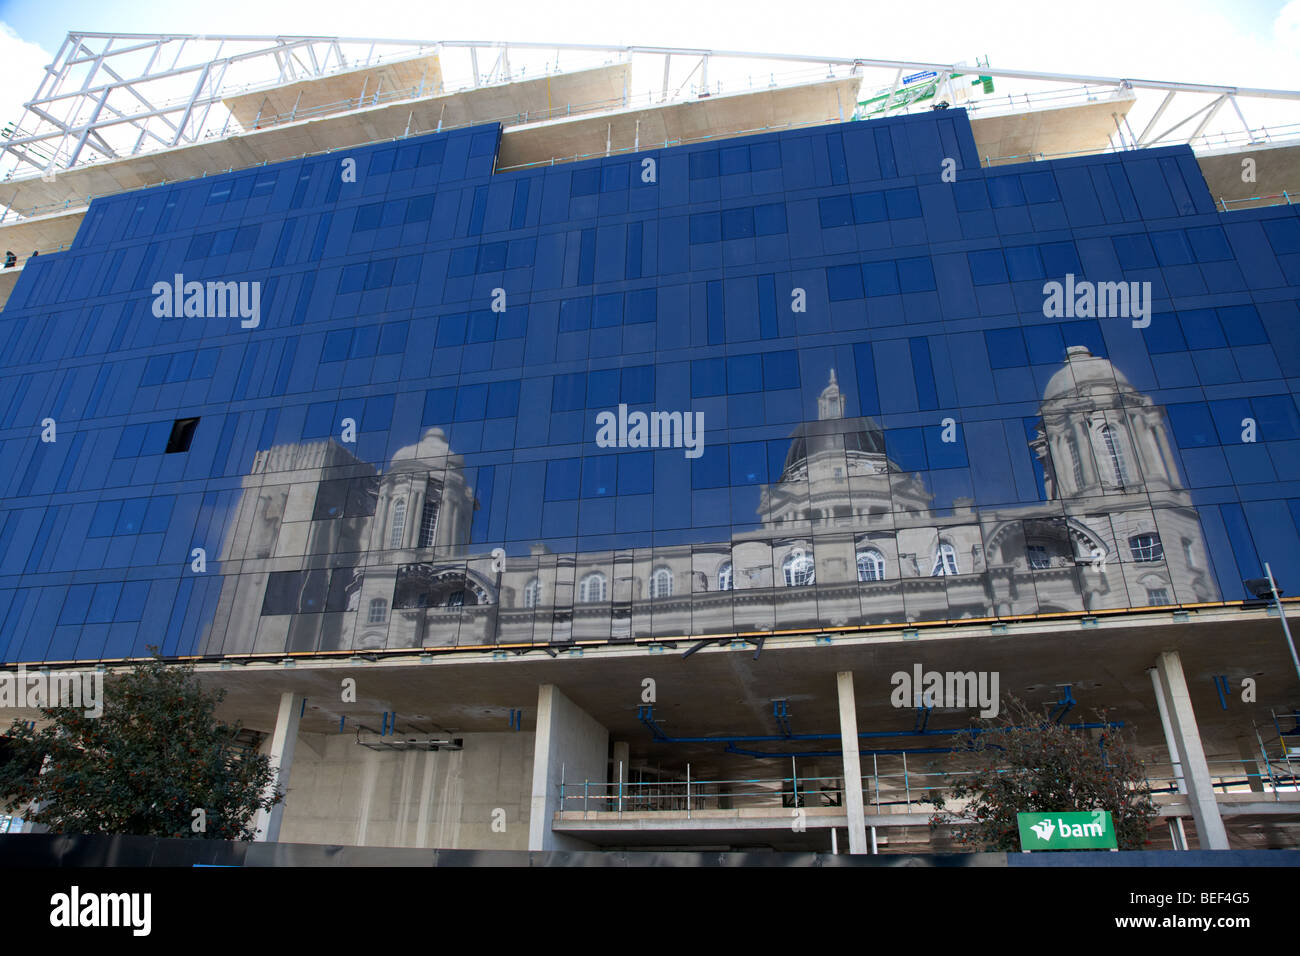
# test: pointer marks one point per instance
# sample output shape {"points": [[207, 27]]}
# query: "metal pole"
{"points": [[907, 786], [1286, 628], [874, 849], [1268, 764], [586, 794], [1286, 751], [620, 788], [688, 791]]}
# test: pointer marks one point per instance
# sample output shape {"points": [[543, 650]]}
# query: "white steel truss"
{"points": [[108, 96]]}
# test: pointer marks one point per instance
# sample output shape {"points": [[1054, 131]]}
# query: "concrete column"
{"points": [[852, 764], [570, 746], [618, 772], [283, 741], [1191, 755], [1250, 767]]}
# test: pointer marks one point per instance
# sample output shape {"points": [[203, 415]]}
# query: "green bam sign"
{"points": [[1089, 830]]}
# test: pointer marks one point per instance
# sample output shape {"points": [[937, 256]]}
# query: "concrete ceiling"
{"points": [[1020, 137], [1276, 168], [337, 92], [827, 101], [723, 690]]}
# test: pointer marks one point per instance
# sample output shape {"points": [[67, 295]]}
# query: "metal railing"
{"points": [[904, 789], [1276, 199], [1228, 775], [1010, 103], [20, 261], [1258, 136]]}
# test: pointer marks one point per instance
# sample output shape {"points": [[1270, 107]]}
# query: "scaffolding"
{"points": [[107, 96]]}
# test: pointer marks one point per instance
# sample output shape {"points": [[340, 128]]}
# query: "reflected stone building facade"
{"points": [[846, 538]]}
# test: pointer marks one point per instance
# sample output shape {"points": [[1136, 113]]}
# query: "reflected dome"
{"points": [[832, 432], [1084, 375]]}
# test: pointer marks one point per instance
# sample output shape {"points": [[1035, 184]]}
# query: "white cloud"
{"points": [[21, 67], [1286, 28]]}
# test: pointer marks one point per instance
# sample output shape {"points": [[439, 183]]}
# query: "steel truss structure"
{"points": [[109, 95]]}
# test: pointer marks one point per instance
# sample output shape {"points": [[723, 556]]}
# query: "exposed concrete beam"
{"points": [[852, 764], [571, 747], [283, 741], [1168, 673]]}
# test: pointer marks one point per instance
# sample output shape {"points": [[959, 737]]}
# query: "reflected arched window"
{"points": [[378, 611], [1076, 465], [871, 565], [945, 560], [725, 580], [399, 524], [591, 588], [1116, 454], [533, 593], [661, 583], [428, 522], [799, 570]]}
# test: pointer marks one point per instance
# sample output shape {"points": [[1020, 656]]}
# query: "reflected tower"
{"points": [[1129, 524]]}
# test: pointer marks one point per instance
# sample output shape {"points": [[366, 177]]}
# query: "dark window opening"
{"points": [[182, 434], [313, 591], [346, 498]]}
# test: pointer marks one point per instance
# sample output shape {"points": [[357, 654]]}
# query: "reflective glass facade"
{"points": [[463, 410]]}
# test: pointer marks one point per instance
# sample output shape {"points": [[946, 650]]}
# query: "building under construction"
{"points": [[566, 447]]}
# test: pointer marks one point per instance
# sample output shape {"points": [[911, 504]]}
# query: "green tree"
{"points": [[1026, 764], [155, 756]]}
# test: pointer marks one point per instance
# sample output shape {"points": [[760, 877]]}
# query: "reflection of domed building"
{"points": [[1128, 524], [1104, 435], [844, 537]]}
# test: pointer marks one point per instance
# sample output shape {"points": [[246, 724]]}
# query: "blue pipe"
{"points": [[1062, 706], [646, 715], [771, 738], [1220, 688], [922, 719], [731, 749]]}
